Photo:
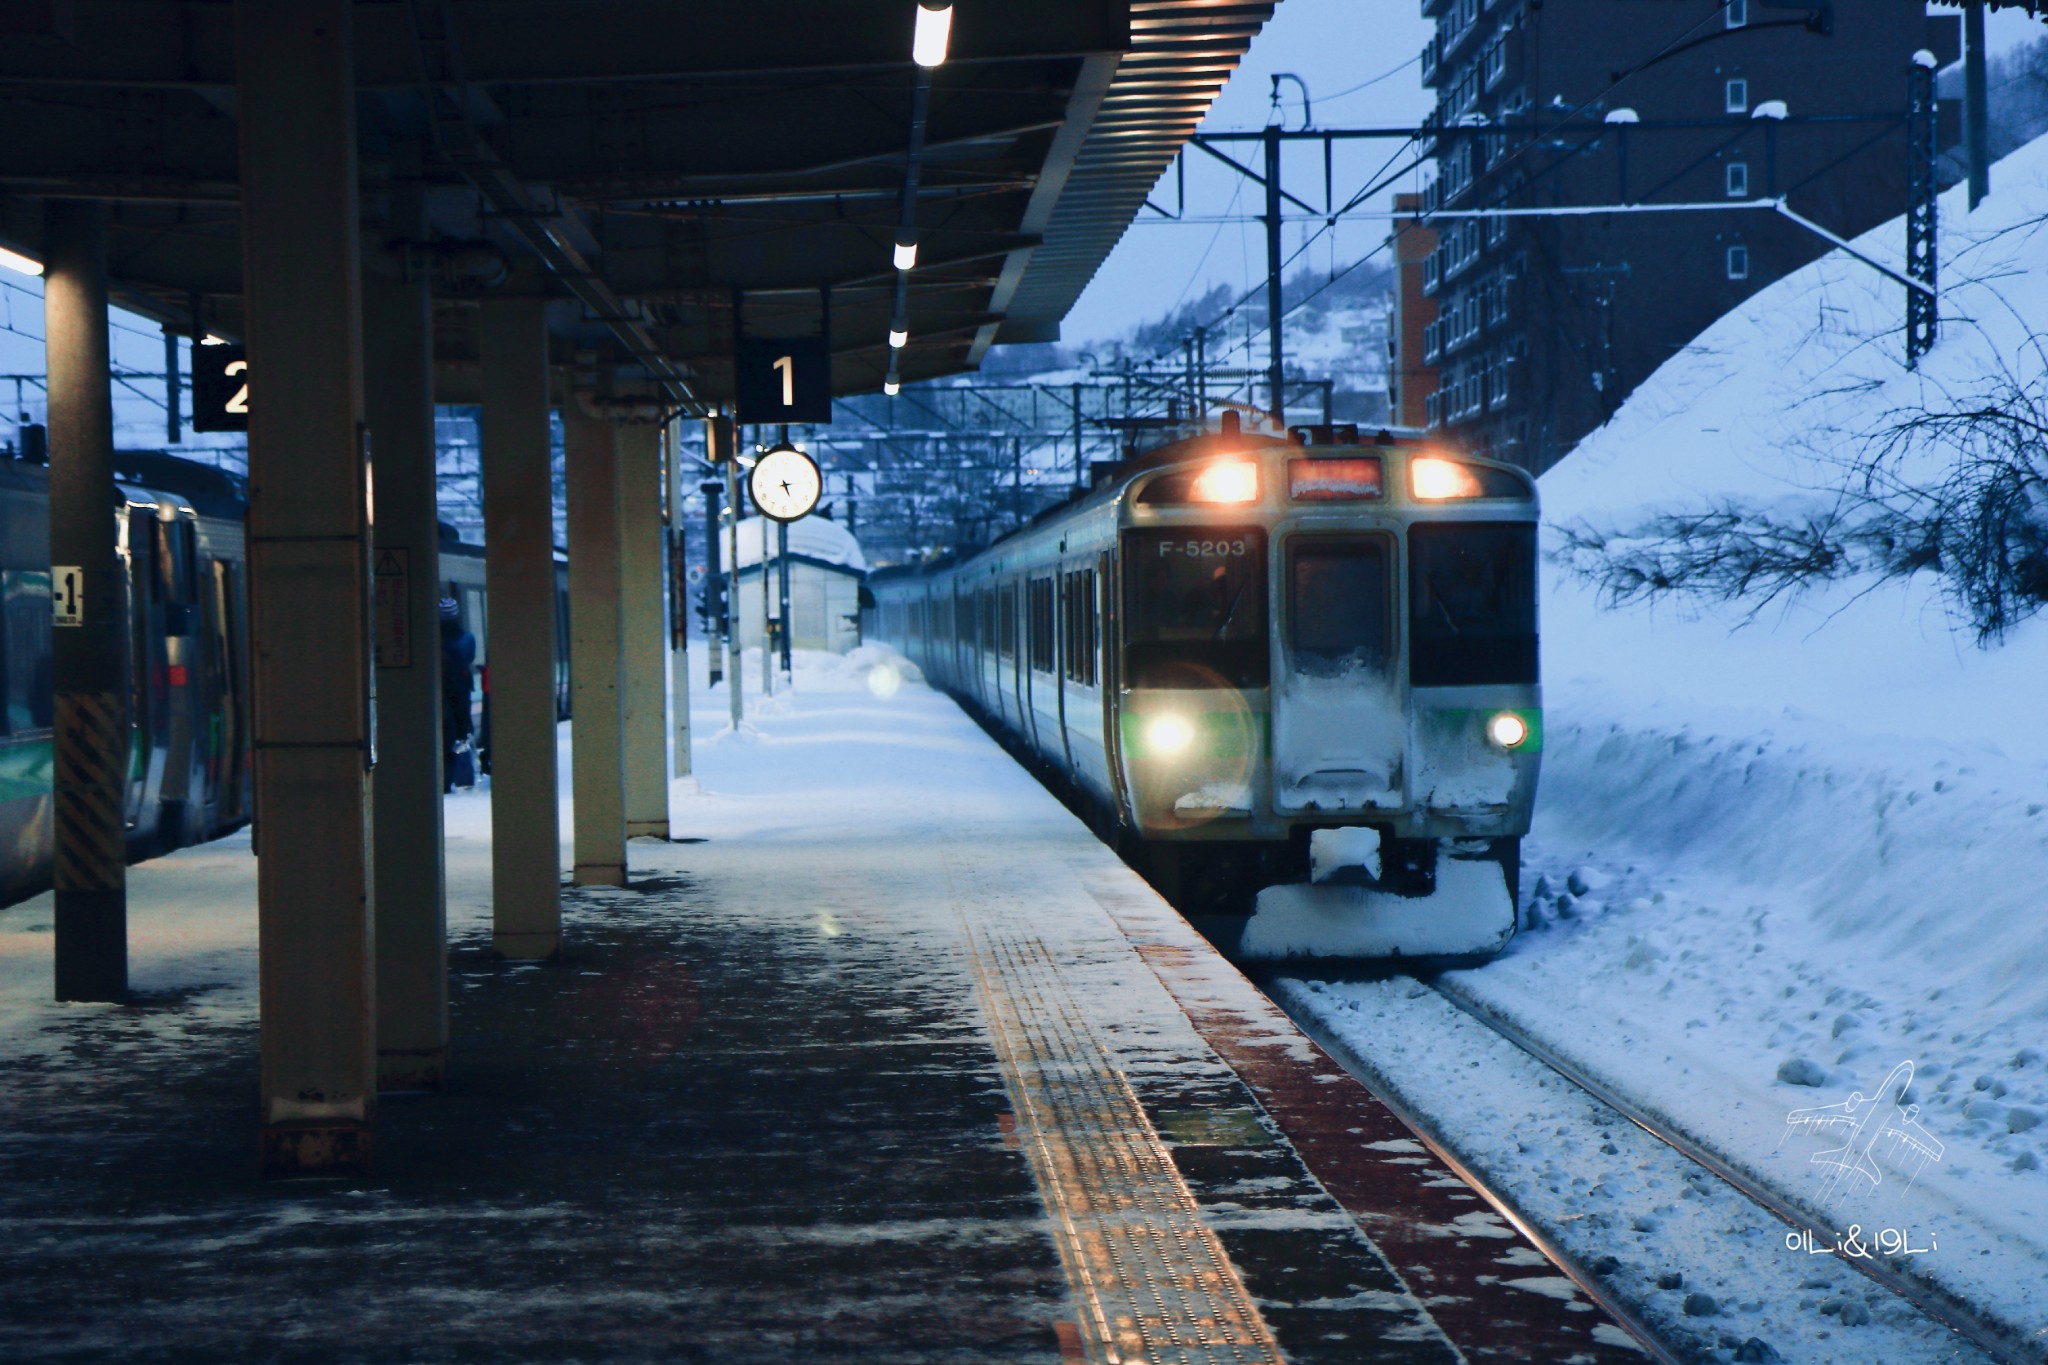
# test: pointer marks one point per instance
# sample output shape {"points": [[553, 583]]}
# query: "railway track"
{"points": [[1995, 1339]]}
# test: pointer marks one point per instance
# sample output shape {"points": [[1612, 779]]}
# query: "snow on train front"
{"points": [[1406, 720]]}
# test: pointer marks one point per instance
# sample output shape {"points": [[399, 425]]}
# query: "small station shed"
{"points": [[826, 572]]}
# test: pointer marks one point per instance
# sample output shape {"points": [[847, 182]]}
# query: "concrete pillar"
{"points": [[91, 740], [596, 700], [411, 893], [519, 571], [644, 630], [309, 575]]}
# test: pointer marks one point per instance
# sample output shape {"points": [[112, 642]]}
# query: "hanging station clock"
{"points": [[784, 483]]}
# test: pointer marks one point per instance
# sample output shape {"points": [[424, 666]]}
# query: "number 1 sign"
{"points": [[786, 379]]}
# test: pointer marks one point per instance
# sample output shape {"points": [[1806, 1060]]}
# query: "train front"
{"points": [[1330, 686]]}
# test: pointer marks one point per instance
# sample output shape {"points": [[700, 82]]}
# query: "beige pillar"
{"points": [[596, 703], [309, 575], [519, 571], [644, 630], [412, 909]]}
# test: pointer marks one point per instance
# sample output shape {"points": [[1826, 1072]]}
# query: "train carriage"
{"points": [[1239, 645]]}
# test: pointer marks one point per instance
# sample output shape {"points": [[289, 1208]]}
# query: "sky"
{"points": [[1333, 45]]}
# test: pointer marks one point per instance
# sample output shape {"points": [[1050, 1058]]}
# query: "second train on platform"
{"points": [[1301, 668]]}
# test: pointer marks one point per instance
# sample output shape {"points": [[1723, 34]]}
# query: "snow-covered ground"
{"points": [[1777, 858]]}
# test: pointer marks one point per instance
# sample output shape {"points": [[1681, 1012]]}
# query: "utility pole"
{"points": [[735, 672], [714, 585], [1976, 110], [1276, 372], [1080, 460], [782, 599], [1921, 199]]}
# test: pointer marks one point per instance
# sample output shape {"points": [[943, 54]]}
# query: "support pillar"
{"points": [[643, 629], [411, 892], [91, 738], [519, 571], [309, 575], [596, 700]]}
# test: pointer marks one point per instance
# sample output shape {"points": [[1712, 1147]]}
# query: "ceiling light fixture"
{"points": [[934, 29]]}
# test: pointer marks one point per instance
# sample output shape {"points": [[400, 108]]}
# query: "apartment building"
{"points": [[1542, 324]]}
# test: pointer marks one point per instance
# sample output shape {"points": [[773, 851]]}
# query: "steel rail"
{"points": [[1387, 1094], [2002, 1340]]}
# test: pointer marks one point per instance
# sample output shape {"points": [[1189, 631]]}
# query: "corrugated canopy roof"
{"points": [[660, 157]]}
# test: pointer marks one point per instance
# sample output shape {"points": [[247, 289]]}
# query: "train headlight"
{"points": [[1227, 481], [1508, 730], [1433, 479], [1168, 734]]}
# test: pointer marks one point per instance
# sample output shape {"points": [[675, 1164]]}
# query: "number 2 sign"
{"points": [[220, 388], [785, 379]]}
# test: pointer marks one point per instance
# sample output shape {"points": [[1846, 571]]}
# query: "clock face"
{"points": [[785, 484]]}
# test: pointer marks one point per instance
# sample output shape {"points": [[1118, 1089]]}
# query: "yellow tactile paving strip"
{"points": [[1152, 1282]]}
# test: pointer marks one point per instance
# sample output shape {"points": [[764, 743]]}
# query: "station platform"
{"points": [[883, 1058]]}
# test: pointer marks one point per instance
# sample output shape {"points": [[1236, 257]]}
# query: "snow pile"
{"points": [[813, 537], [1774, 859]]}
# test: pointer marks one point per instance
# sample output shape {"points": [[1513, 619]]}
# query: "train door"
{"points": [[1027, 701], [1108, 677], [149, 712], [1062, 610], [1339, 733], [231, 704], [184, 782]]}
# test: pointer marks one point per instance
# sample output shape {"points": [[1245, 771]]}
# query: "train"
{"points": [[180, 541], [1292, 678]]}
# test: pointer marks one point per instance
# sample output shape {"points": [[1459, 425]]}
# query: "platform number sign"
{"points": [[787, 379], [67, 595], [220, 388]]}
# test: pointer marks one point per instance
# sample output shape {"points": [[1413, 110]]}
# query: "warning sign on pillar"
{"points": [[67, 595], [392, 582]]}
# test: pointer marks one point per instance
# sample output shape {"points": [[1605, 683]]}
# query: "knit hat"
{"points": [[449, 610]]}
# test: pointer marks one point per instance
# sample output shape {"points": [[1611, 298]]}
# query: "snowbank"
{"points": [[1776, 857]]}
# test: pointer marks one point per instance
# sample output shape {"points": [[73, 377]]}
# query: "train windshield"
{"points": [[1195, 607], [1472, 603], [1337, 604]]}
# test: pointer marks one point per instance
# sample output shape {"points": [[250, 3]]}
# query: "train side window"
{"points": [[1337, 605], [1006, 621], [1472, 603], [25, 649], [1091, 632], [1040, 602], [1080, 626]]}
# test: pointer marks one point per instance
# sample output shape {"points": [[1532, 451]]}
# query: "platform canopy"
{"points": [[652, 160]]}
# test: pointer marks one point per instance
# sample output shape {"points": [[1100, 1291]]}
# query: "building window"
{"points": [[1735, 13], [1735, 98], [1738, 179], [1738, 262]]}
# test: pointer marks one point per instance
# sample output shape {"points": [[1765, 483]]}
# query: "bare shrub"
{"points": [[1959, 490]]}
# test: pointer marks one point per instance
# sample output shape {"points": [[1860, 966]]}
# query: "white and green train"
{"points": [[1308, 665]]}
